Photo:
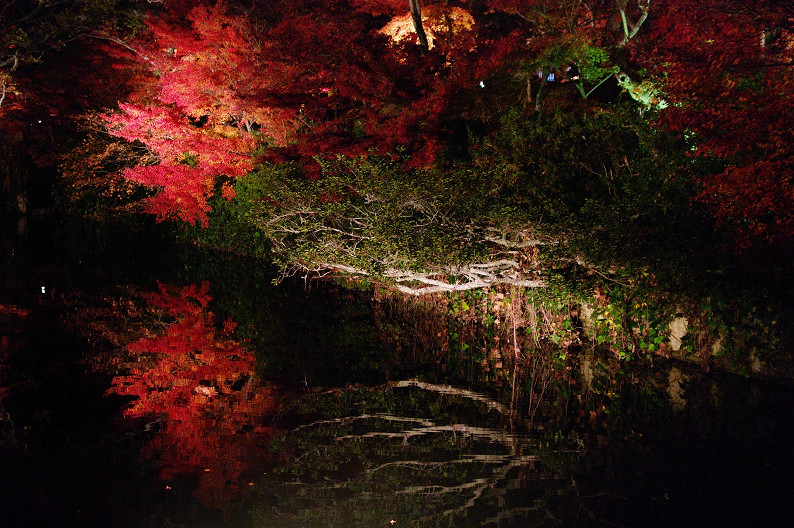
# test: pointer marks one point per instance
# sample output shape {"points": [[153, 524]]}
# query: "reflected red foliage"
{"points": [[199, 384]]}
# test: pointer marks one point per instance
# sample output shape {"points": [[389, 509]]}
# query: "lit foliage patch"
{"points": [[327, 78], [203, 123], [191, 159], [727, 72]]}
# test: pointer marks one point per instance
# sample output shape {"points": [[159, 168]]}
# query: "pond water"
{"points": [[146, 383]]}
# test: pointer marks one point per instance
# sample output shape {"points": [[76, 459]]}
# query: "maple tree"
{"points": [[200, 123], [362, 86], [328, 77], [198, 384], [360, 80], [221, 92], [226, 85], [726, 67]]}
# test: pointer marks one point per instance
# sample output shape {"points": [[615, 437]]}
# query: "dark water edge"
{"points": [[345, 448], [62, 462]]}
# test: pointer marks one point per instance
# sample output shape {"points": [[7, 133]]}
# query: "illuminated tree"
{"points": [[726, 67], [203, 121]]}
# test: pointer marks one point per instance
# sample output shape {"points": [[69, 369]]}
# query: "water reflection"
{"points": [[196, 389], [413, 452], [130, 403], [407, 454]]}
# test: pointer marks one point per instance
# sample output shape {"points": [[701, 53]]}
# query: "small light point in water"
{"points": [[43, 289]]}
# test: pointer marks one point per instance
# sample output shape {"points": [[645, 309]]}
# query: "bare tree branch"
{"points": [[347, 419], [463, 429], [476, 276], [12, 59], [121, 42], [629, 32]]}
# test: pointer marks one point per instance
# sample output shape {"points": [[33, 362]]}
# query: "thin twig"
{"points": [[120, 42]]}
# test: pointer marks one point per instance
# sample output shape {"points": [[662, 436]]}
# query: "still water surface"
{"points": [[148, 384]]}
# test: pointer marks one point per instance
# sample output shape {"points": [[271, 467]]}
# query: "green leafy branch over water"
{"points": [[592, 184]]}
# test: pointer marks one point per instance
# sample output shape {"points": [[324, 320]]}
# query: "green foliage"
{"points": [[229, 231], [369, 214], [600, 181], [595, 69], [604, 181], [191, 160], [593, 64], [471, 333], [742, 332], [604, 184]]}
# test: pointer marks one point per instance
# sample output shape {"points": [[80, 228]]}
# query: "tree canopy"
{"points": [[226, 89]]}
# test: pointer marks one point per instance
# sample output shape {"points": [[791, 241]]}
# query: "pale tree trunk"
{"points": [[631, 28], [545, 72]]}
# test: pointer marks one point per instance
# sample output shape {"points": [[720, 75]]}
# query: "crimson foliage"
{"points": [[198, 384]]}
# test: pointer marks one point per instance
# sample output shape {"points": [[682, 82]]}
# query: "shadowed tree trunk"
{"points": [[416, 14]]}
